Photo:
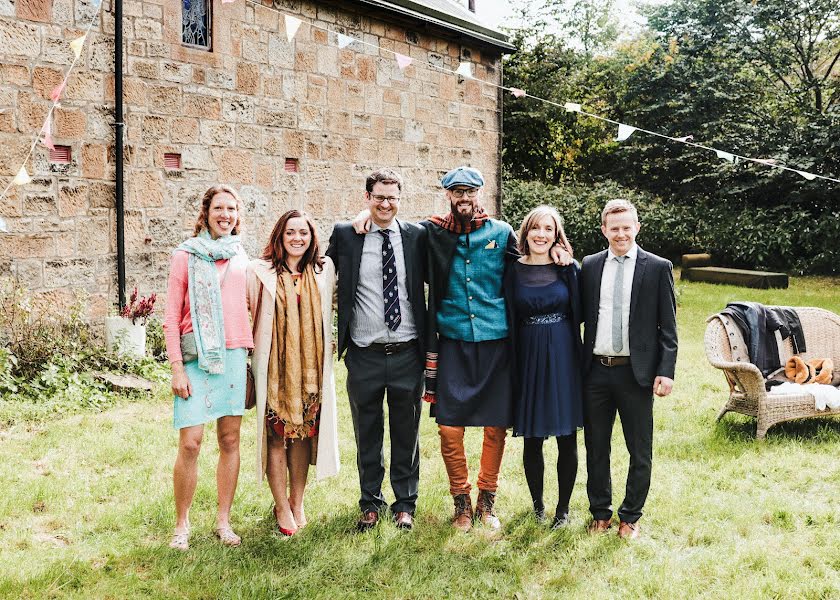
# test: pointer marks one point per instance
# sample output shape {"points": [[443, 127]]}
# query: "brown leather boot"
{"points": [[463, 512], [484, 511]]}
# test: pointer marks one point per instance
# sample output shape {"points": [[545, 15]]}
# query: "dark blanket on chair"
{"points": [[758, 324]]}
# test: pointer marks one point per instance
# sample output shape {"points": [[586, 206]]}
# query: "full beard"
{"points": [[462, 218]]}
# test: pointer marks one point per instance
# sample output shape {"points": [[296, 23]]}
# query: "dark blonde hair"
{"points": [[619, 205], [534, 217], [275, 251], [202, 223]]}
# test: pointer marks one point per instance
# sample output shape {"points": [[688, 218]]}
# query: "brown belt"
{"points": [[612, 361]]}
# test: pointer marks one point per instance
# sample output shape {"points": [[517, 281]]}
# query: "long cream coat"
{"points": [[262, 271]]}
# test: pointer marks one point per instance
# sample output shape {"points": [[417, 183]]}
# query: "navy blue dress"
{"points": [[549, 401]]}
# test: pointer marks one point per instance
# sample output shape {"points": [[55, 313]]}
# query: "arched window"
{"points": [[196, 20]]}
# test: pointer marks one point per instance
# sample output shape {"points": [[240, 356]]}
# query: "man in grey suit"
{"points": [[630, 352], [381, 326]]}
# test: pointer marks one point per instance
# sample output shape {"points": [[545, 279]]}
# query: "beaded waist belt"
{"points": [[545, 319]]}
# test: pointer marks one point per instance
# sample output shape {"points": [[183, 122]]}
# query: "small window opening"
{"points": [[172, 161], [60, 155], [292, 165]]}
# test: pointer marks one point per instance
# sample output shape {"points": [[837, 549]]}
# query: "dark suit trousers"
{"points": [[370, 374], [607, 390]]}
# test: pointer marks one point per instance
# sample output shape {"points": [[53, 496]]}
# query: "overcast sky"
{"points": [[499, 12]]}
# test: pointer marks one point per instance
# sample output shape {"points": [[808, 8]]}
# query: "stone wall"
{"points": [[235, 115]]}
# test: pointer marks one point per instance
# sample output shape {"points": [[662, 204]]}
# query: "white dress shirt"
{"points": [[367, 324], [603, 333]]}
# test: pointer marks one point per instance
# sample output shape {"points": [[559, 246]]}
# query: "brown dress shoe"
{"points": [[463, 512], [599, 525], [368, 520], [404, 520], [484, 511], [628, 531]]}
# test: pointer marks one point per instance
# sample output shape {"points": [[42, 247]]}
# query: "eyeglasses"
{"points": [[380, 199], [470, 193]]}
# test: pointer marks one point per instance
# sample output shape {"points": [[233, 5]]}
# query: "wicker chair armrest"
{"points": [[748, 376]]}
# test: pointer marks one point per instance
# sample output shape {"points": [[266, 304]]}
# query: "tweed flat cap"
{"points": [[467, 176]]}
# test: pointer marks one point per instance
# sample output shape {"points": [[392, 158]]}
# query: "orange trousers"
{"points": [[455, 459]]}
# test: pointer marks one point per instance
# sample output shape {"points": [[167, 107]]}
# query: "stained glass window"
{"points": [[195, 17]]}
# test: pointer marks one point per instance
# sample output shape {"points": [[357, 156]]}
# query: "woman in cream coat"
{"points": [[290, 295]]}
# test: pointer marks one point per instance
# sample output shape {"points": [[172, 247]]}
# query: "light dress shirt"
{"points": [[603, 334], [367, 325]]}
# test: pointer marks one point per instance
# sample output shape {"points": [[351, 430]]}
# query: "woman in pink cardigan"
{"points": [[208, 335]]}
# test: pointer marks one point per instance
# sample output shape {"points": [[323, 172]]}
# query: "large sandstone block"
{"points": [[19, 40]]}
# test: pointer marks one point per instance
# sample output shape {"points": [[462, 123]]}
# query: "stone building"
{"points": [[214, 92]]}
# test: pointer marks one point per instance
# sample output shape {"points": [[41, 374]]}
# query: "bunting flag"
{"points": [[572, 107], [344, 40], [3, 227], [517, 93], [465, 70], [624, 132], [292, 26], [223, 1], [402, 60], [685, 139], [77, 45], [55, 95], [22, 177], [48, 141], [725, 155], [807, 175], [98, 3]]}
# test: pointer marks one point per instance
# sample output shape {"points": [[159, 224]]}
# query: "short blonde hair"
{"points": [[619, 205], [534, 217]]}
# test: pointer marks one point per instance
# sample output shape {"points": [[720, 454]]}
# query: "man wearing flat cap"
{"points": [[468, 366]]}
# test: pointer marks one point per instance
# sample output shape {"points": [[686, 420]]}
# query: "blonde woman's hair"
{"points": [[619, 205], [534, 217], [202, 223]]}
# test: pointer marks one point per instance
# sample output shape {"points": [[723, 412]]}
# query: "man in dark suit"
{"points": [[630, 351], [381, 325]]}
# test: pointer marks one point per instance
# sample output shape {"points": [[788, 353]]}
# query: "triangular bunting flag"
{"points": [[77, 46], [57, 91], [225, 1], [48, 141], [725, 155], [517, 93], [22, 177], [3, 227], [292, 26], [807, 175], [402, 60], [572, 107], [344, 40], [465, 70], [686, 138], [624, 132]]}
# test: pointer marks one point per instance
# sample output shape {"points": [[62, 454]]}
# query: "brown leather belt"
{"points": [[612, 361]]}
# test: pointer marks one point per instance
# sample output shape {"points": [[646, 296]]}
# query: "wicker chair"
{"points": [[747, 395]]}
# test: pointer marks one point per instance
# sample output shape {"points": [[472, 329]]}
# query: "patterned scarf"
{"points": [[296, 360], [205, 293], [450, 223]]}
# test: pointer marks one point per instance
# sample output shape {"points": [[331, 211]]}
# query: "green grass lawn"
{"points": [[86, 509]]}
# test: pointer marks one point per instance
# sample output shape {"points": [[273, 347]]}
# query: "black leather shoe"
{"points": [[404, 520], [368, 520]]}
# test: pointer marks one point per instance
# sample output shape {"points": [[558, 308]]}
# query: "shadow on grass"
{"points": [[811, 431], [433, 560]]}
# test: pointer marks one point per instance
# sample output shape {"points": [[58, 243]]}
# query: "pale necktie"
{"points": [[618, 304]]}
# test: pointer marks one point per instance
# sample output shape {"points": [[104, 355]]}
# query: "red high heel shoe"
{"points": [[283, 531]]}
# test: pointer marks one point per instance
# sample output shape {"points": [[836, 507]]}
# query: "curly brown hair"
{"points": [[275, 251], [202, 223]]}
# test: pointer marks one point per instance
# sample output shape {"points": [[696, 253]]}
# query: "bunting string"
{"points": [[464, 70], [23, 177]]}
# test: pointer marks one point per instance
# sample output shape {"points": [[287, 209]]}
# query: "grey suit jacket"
{"points": [[653, 319]]}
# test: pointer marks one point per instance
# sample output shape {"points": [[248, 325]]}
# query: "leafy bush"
{"points": [[786, 238], [47, 359]]}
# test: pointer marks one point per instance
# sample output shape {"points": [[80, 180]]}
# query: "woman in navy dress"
{"points": [[545, 314]]}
